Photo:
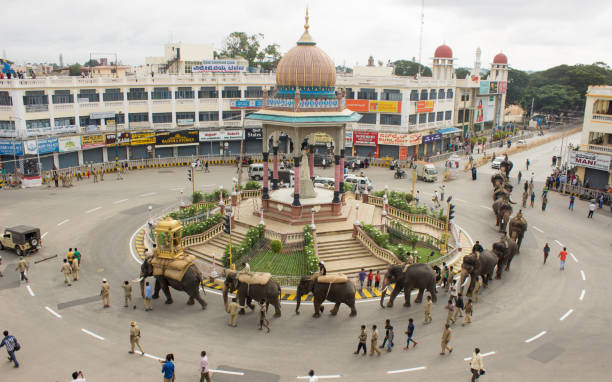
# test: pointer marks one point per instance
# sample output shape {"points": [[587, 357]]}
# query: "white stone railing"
{"points": [[374, 249]]}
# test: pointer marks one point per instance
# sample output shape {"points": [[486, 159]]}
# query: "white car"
{"points": [[521, 142], [320, 181], [361, 182], [497, 162]]}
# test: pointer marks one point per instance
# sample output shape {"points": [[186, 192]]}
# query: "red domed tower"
{"points": [[499, 74], [442, 68]]}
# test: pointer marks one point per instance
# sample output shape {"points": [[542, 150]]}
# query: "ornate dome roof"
{"points": [[443, 51], [500, 58], [306, 65]]}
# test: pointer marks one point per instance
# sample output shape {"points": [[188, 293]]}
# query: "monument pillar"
{"points": [[265, 195], [296, 181], [275, 171], [311, 161], [337, 178], [342, 171]]}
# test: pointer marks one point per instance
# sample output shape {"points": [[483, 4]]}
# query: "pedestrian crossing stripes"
{"points": [[139, 243]]}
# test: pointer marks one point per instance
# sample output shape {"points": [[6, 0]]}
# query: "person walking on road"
{"points": [[233, 313], [374, 341], [386, 339], [11, 344], [458, 307], [22, 267], [532, 198], [562, 256], [363, 337], [1, 275], [77, 376], [127, 290], [476, 289], [446, 337], [520, 175], [376, 279], [410, 333], [135, 338], [544, 202], [105, 293], [453, 288], [468, 313], [70, 256], [572, 198], [148, 298], [546, 252], [370, 278], [525, 196], [389, 336], [477, 247], [204, 367], [168, 368], [66, 271], [428, 305], [362, 276], [476, 365], [312, 377], [591, 210], [527, 164], [263, 321], [451, 310], [75, 270], [77, 256]]}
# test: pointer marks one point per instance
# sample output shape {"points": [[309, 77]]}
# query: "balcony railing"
{"points": [[161, 126], [64, 107], [36, 108], [601, 149], [602, 118]]}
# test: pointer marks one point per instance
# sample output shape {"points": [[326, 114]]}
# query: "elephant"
{"points": [[505, 249], [497, 180], [502, 210], [190, 283], [517, 228], [268, 292], [338, 292], [501, 192], [475, 265], [419, 276], [506, 166]]}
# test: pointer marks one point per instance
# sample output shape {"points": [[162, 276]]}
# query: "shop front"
{"points": [[69, 151], [119, 150], [92, 146], [253, 140], [185, 142], [431, 144], [593, 169], [141, 144], [365, 144]]}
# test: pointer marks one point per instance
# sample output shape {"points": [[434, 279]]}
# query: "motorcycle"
{"points": [[399, 174]]}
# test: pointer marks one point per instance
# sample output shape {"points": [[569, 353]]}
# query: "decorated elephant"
{"points": [[332, 287], [517, 228], [506, 166], [502, 209], [497, 180], [505, 249], [190, 283], [252, 286], [477, 264], [501, 193], [407, 278]]}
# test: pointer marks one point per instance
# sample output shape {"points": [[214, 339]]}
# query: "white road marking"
{"points": [[30, 291], [557, 241], [321, 376], [482, 355], [573, 257], [537, 229], [535, 337], [460, 200], [176, 189], [566, 315], [43, 235], [406, 370], [148, 194], [485, 207], [135, 256], [53, 312], [92, 210], [120, 201], [152, 357], [583, 275], [92, 334], [582, 295], [228, 372], [63, 222]]}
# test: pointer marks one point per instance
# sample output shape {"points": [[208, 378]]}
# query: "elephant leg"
{"points": [[277, 307], [191, 300], [393, 295], [351, 304], [156, 288], [432, 291], [518, 243], [199, 299], [249, 301], [470, 287], [407, 291], [316, 302], [334, 311], [241, 301], [419, 297], [166, 289]]}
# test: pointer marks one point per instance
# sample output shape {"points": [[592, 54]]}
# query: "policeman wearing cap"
{"points": [[135, 337], [105, 293]]}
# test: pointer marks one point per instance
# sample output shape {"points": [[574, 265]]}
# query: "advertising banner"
{"points": [[386, 106], [231, 135], [358, 104], [207, 136], [348, 139], [432, 138], [142, 138], [425, 106], [502, 87], [365, 138], [177, 138], [219, 66], [403, 153], [493, 87], [91, 141], [184, 122], [44, 146], [254, 134], [484, 88], [11, 148], [124, 139], [595, 161], [322, 138], [414, 139], [392, 139], [68, 144], [102, 114], [246, 104]]}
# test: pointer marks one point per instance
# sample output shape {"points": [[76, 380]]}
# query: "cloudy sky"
{"points": [[534, 34]]}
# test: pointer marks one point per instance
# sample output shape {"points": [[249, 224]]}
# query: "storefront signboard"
{"points": [[68, 144]]}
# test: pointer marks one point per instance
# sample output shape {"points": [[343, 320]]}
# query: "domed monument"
{"points": [[303, 103]]}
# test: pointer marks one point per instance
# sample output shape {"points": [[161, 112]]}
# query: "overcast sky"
{"points": [[534, 34]]}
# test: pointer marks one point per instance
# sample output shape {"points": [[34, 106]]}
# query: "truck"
{"points": [[426, 171]]}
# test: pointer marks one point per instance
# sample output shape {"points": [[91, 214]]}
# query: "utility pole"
{"points": [[421, 36]]}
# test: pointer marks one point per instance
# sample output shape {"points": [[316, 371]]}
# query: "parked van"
{"points": [[256, 171], [426, 171], [362, 183], [285, 178]]}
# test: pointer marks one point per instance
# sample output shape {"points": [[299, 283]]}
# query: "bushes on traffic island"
{"points": [[201, 227], [251, 242], [197, 197], [311, 258], [190, 211], [251, 185], [276, 246]]}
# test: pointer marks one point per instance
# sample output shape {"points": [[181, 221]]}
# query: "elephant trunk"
{"points": [[464, 274], [142, 286], [225, 292], [384, 292]]}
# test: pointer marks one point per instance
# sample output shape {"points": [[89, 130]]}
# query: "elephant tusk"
{"points": [[138, 279]]}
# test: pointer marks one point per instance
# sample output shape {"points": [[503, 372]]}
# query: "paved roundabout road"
{"points": [[536, 323]]}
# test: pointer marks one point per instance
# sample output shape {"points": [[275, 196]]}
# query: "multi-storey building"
{"points": [[69, 121]]}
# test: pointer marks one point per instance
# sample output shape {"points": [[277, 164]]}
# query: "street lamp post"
{"points": [[356, 213]]}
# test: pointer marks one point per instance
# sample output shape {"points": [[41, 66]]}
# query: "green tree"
{"points": [[249, 47], [269, 57], [410, 68], [460, 73], [75, 69], [91, 62], [518, 81]]}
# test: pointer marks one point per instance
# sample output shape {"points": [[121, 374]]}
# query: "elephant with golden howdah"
{"points": [[336, 288], [258, 286]]}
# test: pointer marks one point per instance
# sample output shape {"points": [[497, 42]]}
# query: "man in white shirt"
{"points": [[77, 376], [591, 210], [204, 368], [312, 377]]}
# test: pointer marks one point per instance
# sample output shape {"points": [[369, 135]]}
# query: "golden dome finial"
{"points": [[306, 26]]}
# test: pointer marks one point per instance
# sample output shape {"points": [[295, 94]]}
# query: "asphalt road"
{"points": [[537, 323]]}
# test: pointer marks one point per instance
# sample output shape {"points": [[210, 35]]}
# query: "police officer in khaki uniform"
{"points": [[66, 271], [476, 289], [233, 312], [105, 293], [428, 304], [446, 337], [127, 288], [22, 267], [135, 337], [75, 270]]}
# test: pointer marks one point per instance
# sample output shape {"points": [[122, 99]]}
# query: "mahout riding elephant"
{"points": [[407, 278], [477, 264], [502, 210], [506, 166], [501, 193], [190, 283], [505, 249], [517, 228], [247, 292], [335, 288], [497, 180]]}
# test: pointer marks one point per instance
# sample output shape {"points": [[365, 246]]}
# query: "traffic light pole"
{"points": [[443, 250]]}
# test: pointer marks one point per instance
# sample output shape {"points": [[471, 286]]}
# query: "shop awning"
{"points": [[449, 130]]}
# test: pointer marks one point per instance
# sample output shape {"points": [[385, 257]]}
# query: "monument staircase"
{"points": [[216, 246]]}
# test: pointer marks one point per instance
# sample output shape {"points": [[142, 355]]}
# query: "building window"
{"points": [[209, 116], [5, 99], [368, 118], [7, 125], [119, 119], [441, 94], [184, 93], [449, 115], [38, 124], [231, 115], [390, 119], [440, 116], [36, 97], [161, 93], [138, 117], [423, 118], [391, 95], [230, 92], [62, 96], [137, 94], [414, 95], [253, 92], [162, 117], [449, 93], [432, 117], [208, 92], [350, 94], [433, 94], [59, 122], [412, 119], [189, 115], [465, 97], [424, 95], [83, 121], [111, 95], [367, 94], [88, 95]]}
